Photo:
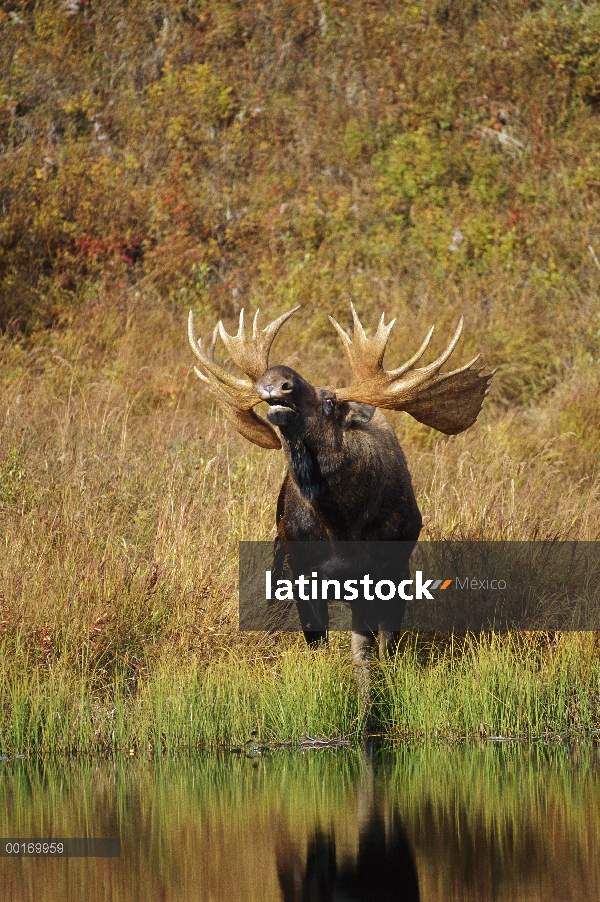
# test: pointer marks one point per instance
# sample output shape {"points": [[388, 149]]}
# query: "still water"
{"points": [[333, 825]]}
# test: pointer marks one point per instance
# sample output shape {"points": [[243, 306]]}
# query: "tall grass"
{"points": [[516, 688], [123, 499], [526, 687]]}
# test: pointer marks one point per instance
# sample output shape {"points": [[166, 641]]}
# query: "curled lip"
{"points": [[279, 404]]}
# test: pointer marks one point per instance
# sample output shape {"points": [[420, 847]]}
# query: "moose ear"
{"points": [[358, 414]]}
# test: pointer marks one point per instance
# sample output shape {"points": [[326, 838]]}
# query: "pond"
{"points": [[467, 823]]}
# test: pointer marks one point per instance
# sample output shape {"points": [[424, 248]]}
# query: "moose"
{"points": [[347, 478]]}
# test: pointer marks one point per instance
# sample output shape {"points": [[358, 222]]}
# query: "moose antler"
{"points": [[252, 355], [449, 402], [236, 396]]}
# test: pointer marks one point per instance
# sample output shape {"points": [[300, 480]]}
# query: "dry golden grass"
{"points": [[124, 497]]}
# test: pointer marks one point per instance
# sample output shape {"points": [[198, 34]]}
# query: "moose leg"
{"points": [[361, 649], [312, 616], [314, 638]]}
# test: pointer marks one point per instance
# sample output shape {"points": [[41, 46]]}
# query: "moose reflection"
{"points": [[383, 869]]}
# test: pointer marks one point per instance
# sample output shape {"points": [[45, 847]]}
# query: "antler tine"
{"points": [[374, 347], [255, 323], [415, 358], [211, 350], [366, 354], [213, 342], [274, 327], [343, 335], [462, 369], [196, 345], [435, 366], [359, 332], [240, 330], [252, 354]]}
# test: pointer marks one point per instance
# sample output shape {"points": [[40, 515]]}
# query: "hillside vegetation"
{"points": [[429, 159]]}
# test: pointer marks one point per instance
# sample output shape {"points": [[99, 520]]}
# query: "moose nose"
{"points": [[264, 391], [267, 392], [274, 390]]}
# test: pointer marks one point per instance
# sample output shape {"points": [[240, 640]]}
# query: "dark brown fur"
{"points": [[347, 477]]}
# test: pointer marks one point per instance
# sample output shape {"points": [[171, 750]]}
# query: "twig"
{"points": [[594, 257]]}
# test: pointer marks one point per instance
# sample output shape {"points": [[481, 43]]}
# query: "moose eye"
{"points": [[328, 405]]}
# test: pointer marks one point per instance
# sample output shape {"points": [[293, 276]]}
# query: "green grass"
{"points": [[525, 687]]}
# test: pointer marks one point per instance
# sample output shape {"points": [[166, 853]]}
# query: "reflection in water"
{"points": [[474, 824], [382, 868]]}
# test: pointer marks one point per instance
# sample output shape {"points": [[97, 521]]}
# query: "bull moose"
{"points": [[347, 477]]}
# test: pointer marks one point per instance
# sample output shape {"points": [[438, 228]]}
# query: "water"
{"points": [[501, 823]]}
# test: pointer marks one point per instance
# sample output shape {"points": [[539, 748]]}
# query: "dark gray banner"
{"points": [[439, 586]]}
